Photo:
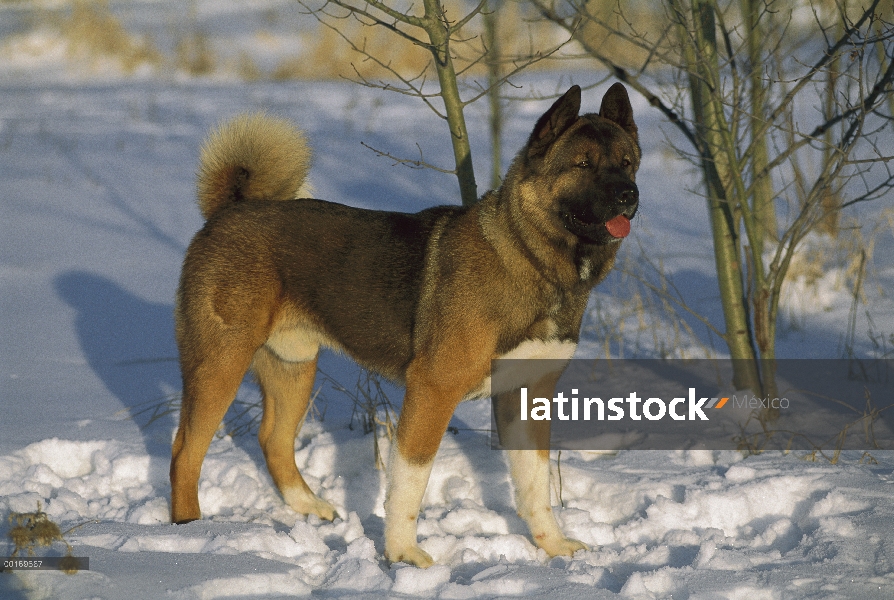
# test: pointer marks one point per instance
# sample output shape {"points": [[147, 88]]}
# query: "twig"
{"points": [[409, 162]]}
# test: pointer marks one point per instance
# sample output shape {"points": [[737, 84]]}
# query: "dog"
{"points": [[426, 299]]}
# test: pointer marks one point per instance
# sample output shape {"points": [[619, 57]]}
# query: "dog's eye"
{"points": [[626, 162], [583, 164]]}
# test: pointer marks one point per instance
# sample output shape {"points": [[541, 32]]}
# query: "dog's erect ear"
{"points": [[616, 108], [560, 116]]}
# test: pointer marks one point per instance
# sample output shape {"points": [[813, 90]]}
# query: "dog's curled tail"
{"points": [[253, 157]]}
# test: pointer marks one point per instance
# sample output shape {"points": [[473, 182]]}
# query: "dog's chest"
{"points": [[525, 364]]}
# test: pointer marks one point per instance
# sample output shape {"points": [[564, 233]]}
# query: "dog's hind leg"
{"points": [[209, 387], [286, 388]]}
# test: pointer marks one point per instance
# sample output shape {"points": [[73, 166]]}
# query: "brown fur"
{"points": [[427, 299]]}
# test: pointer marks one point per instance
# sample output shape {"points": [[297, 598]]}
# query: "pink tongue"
{"points": [[618, 227]]}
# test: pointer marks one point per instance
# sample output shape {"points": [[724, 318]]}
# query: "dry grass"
{"points": [[248, 69], [93, 35], [372, 408], [769, 437], [193, 54], [329, 56], [823, 263], [36, 529], [645, 316], [619, 33]]}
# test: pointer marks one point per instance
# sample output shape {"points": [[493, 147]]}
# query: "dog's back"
{"points": [[322, 259]]}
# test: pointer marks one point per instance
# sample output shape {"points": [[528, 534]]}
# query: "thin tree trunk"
{"points": [[494, 73], [703, 66], [831, 202], [762, 194], [438, 32]]}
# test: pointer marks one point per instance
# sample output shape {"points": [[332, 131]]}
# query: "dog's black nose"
{"points": [[628, 195]]}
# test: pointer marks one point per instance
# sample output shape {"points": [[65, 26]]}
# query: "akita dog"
{"points": [[427, 299]]}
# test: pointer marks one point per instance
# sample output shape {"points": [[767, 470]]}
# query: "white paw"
{"points": [[412, 555], [309, 504], [560, 546]]}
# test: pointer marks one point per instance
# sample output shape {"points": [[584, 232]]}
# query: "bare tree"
{"points": [[436, 33], [755, 109]]}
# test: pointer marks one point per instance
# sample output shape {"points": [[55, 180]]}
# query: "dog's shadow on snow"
{"points": [[127, 341], [129, 344]]}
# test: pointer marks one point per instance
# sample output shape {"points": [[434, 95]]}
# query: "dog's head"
{"points": [[589, 163]]}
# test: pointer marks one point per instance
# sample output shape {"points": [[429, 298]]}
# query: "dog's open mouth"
{"points": [[618, 227]]}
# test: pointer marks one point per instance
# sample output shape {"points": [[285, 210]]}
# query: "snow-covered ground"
{"points": [[97, 208]]}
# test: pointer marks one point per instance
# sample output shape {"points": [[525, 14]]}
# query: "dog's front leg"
{"points": [[530, 470], [530, 473], [428, 406], [407, 481]]}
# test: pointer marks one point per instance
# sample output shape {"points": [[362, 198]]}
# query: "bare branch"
{"points": [[375, 20], [854, 116], [818, 67], [676, 297], [875, 160], [517, 68], [381, 6], [618, 71], [411, 88], [409, 162], [462, 22]]}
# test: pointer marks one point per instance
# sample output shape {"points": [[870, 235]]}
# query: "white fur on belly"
{"points": [[294, 345]]}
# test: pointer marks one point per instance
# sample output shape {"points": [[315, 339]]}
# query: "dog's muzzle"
{"points": [[606, 219]]}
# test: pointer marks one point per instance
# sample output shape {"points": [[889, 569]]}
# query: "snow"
{"points": [[97, 210]]}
